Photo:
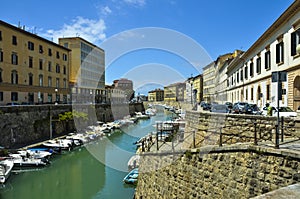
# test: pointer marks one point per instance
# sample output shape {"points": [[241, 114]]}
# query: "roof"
{"points": [[31, 34]]}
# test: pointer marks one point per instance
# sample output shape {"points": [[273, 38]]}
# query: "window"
{"points": [[268, 60], [1, 80], [30, 62], [14, 59], [41, 49], [246, 94], [242, 75], [251, 69], [30, 45], [57, 55], [65, 58], [40, 80], [0, 36], [1, 96], [279, 53], [237, 77], [41, 64], [49, 52], [14, 77], [65, 83], [246, 72], [14, 96], [49, 81], [57, 82], [14, 40], [252, 93], [57, 68], [295, 40], [30, 78], [49, 66], [1, 56], [65, 70], [268, 92], [49, 98], [258, 65]]}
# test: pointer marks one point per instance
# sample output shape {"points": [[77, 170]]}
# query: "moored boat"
{"points": [[132, 177], [5, 170]]}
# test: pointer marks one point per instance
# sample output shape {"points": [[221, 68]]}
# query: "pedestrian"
{"points": [[269, 109]]}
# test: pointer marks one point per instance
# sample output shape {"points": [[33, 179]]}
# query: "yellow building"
{"points": [[198, 88], [174, 92], [32, 69], [156, 95], [87, 70]]}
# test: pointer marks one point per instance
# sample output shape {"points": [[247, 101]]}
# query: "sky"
{"points": [[152, 42]]}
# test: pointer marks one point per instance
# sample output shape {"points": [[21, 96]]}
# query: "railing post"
{"points": [[220, 143], [255, 134], [143, 145], [282, 123], [277, 136], [194, 139]]}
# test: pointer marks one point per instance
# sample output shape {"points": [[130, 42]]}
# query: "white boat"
{"points": [[34, 153], [5, 170], [29, 162], [140, 115], [58, 144]]}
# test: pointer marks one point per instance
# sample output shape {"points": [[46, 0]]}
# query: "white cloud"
{"points": [[136, 2], [106, 10], [89, 29]]}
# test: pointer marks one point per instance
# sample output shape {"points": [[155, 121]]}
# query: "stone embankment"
{"points": [[24, 125], [236, 167]]}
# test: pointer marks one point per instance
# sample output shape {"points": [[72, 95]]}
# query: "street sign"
{"points": [[282, 76]]}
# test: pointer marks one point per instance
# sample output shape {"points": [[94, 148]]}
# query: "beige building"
{"points": [[156, 95], [174, 92], [87, 71], [250, 76], [126, 86], [32, 69]]}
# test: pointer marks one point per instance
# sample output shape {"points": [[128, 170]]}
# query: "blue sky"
{"points": [[188, 33]]}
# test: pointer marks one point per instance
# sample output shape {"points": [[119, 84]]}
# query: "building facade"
{"points": [[156, 95], [250, 77], [32, 69], [174, 92], [126, 85], [87, 71]]}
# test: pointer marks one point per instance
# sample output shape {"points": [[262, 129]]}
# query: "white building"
{"points": [[249, 76]]}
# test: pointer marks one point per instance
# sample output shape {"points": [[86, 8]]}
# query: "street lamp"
{"points": [[56, 98], [191, 82]]}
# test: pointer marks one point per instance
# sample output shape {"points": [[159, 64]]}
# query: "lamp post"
{"points": [[56, 98]]}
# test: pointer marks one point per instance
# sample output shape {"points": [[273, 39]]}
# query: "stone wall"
{"points": [[236, 171], [234, 128], [23, 125]]}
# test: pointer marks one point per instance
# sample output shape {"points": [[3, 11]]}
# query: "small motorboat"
{"points": [[132, 176], [5, 170], [29, 162]]}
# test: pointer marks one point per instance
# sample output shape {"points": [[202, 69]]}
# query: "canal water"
{"points": [[95, 171]]}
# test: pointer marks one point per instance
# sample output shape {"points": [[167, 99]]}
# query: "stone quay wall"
{"points": [[235, 128], [233, 171], [228, 166], [24, 125]]}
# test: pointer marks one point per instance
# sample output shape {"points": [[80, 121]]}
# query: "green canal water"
{"points": [[95, 171]]}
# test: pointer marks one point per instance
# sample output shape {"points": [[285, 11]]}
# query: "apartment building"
{"points": [[32, 69], [87, 71], [277, 50], [174, 92], [156, 95]]}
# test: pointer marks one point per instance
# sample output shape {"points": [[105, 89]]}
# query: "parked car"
{"points": [[240, 107], [219, 108], [255, 109], [284, 111], [206, 106]]}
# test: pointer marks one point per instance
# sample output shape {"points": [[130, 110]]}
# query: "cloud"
{"points": [[89, 29], [106, 10], [138, 3]]}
